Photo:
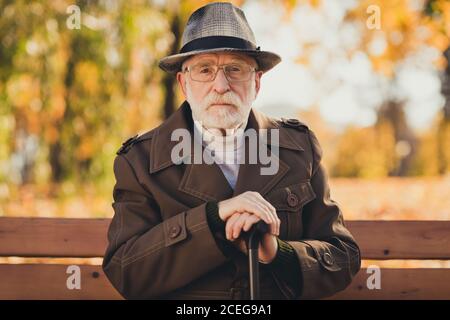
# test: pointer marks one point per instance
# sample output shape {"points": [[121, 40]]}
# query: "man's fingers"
{"points": [[237, 227], [229, 225], [268, 217], [252, 219], [267, 203], [275, 226], [279, 225], [268, 208], [252, 202], [252, 209], [272, 210], [256, 208], [257, 205], [272, 220], [239, 222]]}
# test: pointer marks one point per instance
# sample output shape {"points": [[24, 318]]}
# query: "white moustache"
{"points": [[228, 98]]}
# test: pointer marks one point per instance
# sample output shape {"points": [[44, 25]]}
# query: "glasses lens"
{"points": [[203, 72], [237, 71]]}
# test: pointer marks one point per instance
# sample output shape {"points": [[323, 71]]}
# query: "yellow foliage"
{"points": [[57, 103], [366, 152], [51, 134], [404, 29], [86, 149], [433, 154], [22, 90], [426, 163], [87, 77]]}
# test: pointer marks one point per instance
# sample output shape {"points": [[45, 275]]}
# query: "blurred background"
{"points": [[371, 78]]}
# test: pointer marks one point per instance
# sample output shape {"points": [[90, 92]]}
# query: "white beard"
{"points": [[220, 117]]}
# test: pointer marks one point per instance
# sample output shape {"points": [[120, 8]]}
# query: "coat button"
{"points": [[292, 200], [174, 231], [328, 259]]}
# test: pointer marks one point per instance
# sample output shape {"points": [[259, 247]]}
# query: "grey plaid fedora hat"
{"points": [[218, 27]]}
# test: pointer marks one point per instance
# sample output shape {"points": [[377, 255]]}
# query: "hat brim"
{"points": [[266, 60]]}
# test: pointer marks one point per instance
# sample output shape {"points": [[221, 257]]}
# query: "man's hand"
{"points": [[253, 204], [239, 222]]}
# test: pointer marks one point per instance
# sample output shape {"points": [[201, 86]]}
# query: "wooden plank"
{"points": [[53, 237], [400, 284], [63, 237], [48, 281], [382, 239], [45, 281]]}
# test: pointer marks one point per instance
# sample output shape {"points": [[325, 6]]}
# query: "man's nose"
{"points": [[221, 84]]}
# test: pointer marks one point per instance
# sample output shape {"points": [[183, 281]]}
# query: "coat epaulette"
{"points": [[126, 146], [294, 123]]}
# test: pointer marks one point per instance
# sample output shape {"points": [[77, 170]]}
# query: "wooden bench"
{"points": [[86, 238]]}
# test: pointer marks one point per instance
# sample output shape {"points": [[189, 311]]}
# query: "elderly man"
{"points": [[179, 226]]}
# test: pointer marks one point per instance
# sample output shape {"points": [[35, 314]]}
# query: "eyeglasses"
{"points": [[234, 72]]}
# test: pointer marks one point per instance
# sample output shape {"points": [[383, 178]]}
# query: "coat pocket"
{"points": [[289, 202], [293, 197]]}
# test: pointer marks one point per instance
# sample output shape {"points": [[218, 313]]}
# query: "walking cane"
{"points": [[253, 241]]}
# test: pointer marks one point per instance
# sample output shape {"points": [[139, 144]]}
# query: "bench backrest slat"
{"points": [[21, 282], [66, 237]]}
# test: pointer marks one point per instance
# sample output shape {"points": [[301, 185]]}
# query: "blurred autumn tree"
{"points": [[405, 28], [68, 97], [64, 91], [407, 32]]}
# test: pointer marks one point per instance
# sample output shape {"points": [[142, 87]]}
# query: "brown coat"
{"points": [[160, 244]]}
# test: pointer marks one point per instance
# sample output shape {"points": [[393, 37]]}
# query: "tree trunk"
{"points": [[169, 79], [56, 150], [393, 113]]}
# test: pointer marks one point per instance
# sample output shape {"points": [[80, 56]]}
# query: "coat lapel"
{"points": [[250, 177], [205, 181]]}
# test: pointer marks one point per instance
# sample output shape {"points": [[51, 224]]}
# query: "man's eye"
{"points": [[205, 69], [235, 68]]}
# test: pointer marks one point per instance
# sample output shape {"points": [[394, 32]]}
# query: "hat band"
{"points": [[215, 42]]}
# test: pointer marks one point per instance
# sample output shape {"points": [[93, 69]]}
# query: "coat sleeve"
{"points": [[327, 253], [148, 257]]}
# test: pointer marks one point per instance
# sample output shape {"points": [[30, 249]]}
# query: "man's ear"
{"points": [[258, 75], [181, 79]]}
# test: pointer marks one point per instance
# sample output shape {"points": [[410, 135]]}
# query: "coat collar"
{"points": [[216, 187]]}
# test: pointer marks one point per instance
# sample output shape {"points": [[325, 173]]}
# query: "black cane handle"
{"points": [[255, 233], [254, 237]]}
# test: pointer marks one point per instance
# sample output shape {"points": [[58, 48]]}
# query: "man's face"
{"points": [[220, 103]]}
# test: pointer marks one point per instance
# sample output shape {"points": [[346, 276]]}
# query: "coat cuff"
{"points": [[217, 227], [286, 267], [214, 221], [323, 275]]}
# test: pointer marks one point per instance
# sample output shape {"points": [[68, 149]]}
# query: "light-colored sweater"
{"points": [[226, 151]]}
